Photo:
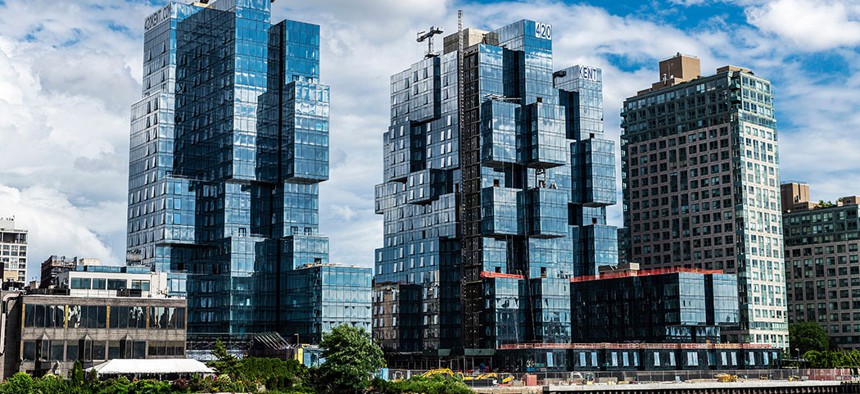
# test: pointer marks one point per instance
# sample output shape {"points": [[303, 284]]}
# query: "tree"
{"points": [[78, 374], [351, 359], [832, 359], [224, 362], [807, 336]]}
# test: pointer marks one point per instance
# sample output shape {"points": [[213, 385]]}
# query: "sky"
{"points": [[69, 71]]}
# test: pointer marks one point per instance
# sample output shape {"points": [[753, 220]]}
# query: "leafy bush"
{"points": [[19, 383], [832, 359], [109, 386], [202, 384], [149, 386], [433, 385], [180, 385], [51, 384], [275, 374]]}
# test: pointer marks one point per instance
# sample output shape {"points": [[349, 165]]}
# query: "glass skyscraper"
{"points": [[228, 146], [700, 165], [493, 197]]}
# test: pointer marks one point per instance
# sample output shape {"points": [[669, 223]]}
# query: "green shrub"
{"points": [[51, 384], [201, 384], [275, 374], [149, 386], [119, 385], [417, 384], [19, 383]]}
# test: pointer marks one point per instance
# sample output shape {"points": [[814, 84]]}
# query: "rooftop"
{"points": [[632, 269]]}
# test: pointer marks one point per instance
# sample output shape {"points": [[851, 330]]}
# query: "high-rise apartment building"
{"points": [[228, 146], [494, 195], [700, 168], [13, 251], [822, 263]]}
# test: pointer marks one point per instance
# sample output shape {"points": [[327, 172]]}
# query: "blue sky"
{"points": [[69, 72]]}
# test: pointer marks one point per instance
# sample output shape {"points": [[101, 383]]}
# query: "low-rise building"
{"points": [[97, 313], [110, 281]]}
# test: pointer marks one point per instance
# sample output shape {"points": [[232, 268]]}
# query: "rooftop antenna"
{"points": [[428, 36]]}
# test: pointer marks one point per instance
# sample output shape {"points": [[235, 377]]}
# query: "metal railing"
{"points": [[580, 377]]}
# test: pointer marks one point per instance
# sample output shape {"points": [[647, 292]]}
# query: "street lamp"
{"points": [[797, 349]]}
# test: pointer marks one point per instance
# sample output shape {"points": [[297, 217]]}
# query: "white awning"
{"points": [[151, 366]]}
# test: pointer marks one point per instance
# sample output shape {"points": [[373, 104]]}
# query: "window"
{"points": [[57, 348], [72, 351], [136, 317], [113, 350], [140, 284], [29, 351], [81, 283], [116, 284], [157, 317], [139, 350], [99, 350]]}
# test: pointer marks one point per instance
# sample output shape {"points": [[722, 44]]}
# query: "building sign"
{"points": [[589, 73], [543, 30], [156, 18]]}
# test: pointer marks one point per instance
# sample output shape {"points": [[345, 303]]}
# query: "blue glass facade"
{"points": [[228, 147], [682, 307], [488, 215], [593, 163], [323, 296]]}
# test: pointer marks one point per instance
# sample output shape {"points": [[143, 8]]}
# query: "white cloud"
{"points": [[812, 25], [689, 3], [67, 78], [57, 226]]}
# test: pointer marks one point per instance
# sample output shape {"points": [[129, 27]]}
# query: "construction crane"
{"points": [[428, 36]]}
